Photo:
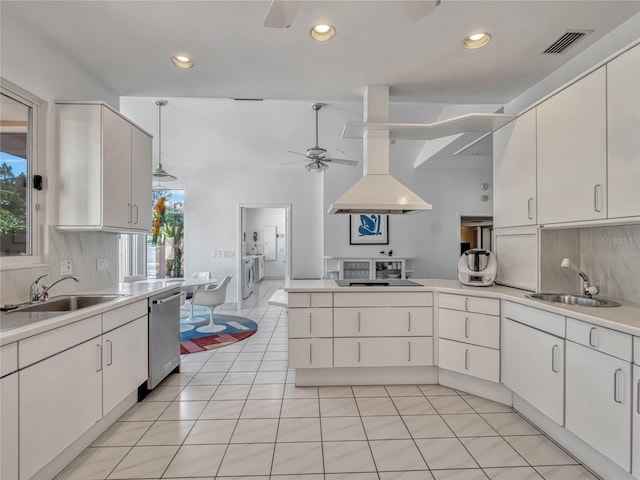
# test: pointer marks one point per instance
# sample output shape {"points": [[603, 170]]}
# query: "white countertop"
{"points": [[15, 326], [625, 318]]}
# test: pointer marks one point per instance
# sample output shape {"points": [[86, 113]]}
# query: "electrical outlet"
{"points": [[102, 264], [66, 267]]}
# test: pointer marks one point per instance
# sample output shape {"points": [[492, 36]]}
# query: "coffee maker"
{"points": [[477, 267]]}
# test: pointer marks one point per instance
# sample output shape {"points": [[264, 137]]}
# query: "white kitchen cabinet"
{"points": [[125, 362], [311, 353], [9, 426], [473, 360], [104, 170], [302, 300], [514, 172], [60, 398], [533, 367], [571, 152], [383, 321], [635, 454], [467, 303], [310, 322], [383, 351], [598, 401], [469, 327], [623, 142]]}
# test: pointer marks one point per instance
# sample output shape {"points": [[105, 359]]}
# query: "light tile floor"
{"points": [[235, 413]]}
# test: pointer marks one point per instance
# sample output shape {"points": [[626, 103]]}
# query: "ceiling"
{"points": [[128, 45]]}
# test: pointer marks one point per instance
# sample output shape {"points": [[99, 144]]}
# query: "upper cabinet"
{"points": [[571, 151], [104, 170], [514, 172], [623, 126]]}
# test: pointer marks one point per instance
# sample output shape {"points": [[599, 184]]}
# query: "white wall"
{"points": [[36, 65], [256, 220]]}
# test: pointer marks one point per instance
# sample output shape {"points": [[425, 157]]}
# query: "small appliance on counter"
{"points": [[477, 267]]}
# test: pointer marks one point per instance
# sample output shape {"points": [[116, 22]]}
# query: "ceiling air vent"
{"points": [[566, 40]]}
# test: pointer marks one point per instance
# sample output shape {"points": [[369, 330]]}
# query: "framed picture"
{"points": [[368, 229]]}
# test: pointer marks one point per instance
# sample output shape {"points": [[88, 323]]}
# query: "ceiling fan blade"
{"points": [[281, 13], [297, 153], [291, 163], [340, 161], [415, 10]]}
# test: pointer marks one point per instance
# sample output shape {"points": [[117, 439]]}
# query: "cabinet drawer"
{"points": [[119, 316], [43, 345], [636, 351], [310, 322], [466, 303], [383, 322], [383, 352], [311, 353], [614, 343], [471, 360], [384, 299], [545, 321], [8, 358], [474, 328], [302, 300]]}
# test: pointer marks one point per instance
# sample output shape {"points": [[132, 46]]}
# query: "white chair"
{"points": [[211, 296], [133, 278], [202, 275]]}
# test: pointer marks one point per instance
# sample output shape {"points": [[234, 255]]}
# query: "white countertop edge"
{"points": [[51, 320], [625, 318]]}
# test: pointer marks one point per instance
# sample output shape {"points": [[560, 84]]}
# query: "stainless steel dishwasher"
{"points": [[164, 335]]}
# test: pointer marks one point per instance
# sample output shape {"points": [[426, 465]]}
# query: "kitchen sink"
{"points": [[568, 299], [68, 303]]}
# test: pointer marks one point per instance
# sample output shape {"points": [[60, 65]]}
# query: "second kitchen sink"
{"points": [[68, 303], [569, 299]]}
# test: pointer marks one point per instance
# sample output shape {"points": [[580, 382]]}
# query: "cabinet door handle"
{"points": [[616, 386], [409, 344], [358, 322], [466, 327], [358, 352], [554, 367], [529, 214], [466, 303], [592, 337], [466, 359], [99, 357], [129, 212], [109, 353], [409, 322], [310, 324], [638, 398], [596, 197], [137, 216], [310, 353]]}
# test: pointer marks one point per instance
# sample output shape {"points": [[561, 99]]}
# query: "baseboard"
{"points": [[476, 386], [58, 464], [366, 376]]}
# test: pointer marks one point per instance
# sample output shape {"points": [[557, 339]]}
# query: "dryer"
{"points": [[248, 276]]}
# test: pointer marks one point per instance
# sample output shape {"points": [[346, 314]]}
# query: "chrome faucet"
{"points": [[588, 289], [40, 293]]}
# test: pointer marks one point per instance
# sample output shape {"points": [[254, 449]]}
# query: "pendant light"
{"points": [[159, 172]]}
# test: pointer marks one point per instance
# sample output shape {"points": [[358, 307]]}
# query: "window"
{"points": [[19, 139]]}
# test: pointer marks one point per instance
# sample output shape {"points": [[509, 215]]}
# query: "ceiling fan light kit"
{"points": [[160, 173]]}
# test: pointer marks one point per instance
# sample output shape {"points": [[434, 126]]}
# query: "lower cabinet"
{"points": [[311, 353], [9, 426], [597, 401], [533, 367], [383, 352], [474, 360], [124, 362], [635, 468], [60, 399]]}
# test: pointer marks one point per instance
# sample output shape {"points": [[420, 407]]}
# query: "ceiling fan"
{"points": [[281, 13], [316, 154]]}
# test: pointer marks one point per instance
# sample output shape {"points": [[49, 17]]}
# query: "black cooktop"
{"points": [[380, 282]]}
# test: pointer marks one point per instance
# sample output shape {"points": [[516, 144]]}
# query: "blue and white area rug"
{"points": [[236, 329]]}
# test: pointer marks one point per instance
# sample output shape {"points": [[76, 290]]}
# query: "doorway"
{"points": [[475, 232], [264, 246]]}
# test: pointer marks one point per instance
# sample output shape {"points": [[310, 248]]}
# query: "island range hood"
{"points": [[377, 191]]}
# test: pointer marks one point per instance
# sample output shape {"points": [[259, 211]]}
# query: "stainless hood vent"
{"points": [[377, 191]]}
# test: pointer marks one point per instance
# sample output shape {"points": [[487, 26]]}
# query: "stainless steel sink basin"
{"points": [[67, 303], [568, 299]]}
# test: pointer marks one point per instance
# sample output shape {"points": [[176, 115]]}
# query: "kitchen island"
{"points": [[573, 371]]}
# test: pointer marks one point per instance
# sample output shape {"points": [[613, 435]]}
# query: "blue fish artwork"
{"points": [[369, 225]]}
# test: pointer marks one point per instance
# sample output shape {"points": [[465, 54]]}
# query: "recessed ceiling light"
{"points": [[476, 40], [322, 32], [181, 61]]}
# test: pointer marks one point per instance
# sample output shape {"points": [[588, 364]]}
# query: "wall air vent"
{"points": [[566, 40]]}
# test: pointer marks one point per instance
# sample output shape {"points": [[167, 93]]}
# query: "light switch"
{"points": [[66, 267], [102, 264]]}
